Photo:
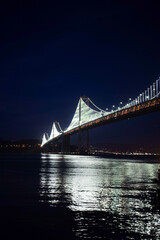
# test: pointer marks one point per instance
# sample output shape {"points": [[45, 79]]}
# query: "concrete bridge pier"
{"points": [[83, 141], [65, 144]]}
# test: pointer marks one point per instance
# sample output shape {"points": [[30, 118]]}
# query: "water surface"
{"points": [[91, 197]]}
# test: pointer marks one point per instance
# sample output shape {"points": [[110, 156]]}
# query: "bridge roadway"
{"points": [[135, 111]]}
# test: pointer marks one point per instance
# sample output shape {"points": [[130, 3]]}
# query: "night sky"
{"points": [[53, 53]]}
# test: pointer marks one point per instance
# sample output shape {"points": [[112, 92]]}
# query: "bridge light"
{"points": [[157, 88], [151, 92], [145, 95], [129, 102], [120, 105], [113, 108], [142, 97], [154, 88], [148, 93]]}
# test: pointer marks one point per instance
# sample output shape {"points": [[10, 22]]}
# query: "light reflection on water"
{"points": [[123, 188]]}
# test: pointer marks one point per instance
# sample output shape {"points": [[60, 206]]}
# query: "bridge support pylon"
{"points": [[83, 141], [65, 144]]}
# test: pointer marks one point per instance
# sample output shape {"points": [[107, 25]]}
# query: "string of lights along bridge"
{"points": [[88, 115]]}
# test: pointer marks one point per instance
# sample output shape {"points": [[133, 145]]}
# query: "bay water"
{"points": [[79, 197]]}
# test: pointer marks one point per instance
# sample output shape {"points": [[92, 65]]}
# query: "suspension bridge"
{"points": [[88, 116]]}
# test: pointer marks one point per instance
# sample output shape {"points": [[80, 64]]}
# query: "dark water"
{"points": [[78, 197]]}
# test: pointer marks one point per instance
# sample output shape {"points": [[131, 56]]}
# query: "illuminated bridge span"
{"points": [[88, 115]]}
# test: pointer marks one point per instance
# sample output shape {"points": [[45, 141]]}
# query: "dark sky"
{"points": [[53, 53]]}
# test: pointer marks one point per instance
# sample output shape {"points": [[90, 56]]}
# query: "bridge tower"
{"points": [[83, 135]]}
